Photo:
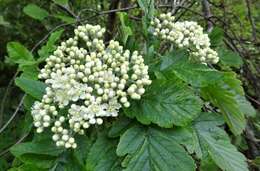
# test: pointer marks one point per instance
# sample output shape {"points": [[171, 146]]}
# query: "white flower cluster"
{"points": [[89, 81], [187, 34]]}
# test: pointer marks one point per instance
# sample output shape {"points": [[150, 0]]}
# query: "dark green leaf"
{"points": [[212, 141], [83, 148], [102, 156], [224, 96], [35, 11], [44, 147], [198, 75], [153, 149], [119, 126], [166, 103], [34, 88]]}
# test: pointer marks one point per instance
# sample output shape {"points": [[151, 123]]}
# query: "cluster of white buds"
{"points": [[187, 34], [88, 80]]}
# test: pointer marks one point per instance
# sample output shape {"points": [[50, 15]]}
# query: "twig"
{"points": [[5, 96], [249, 15], [68, 10], [254, 100], [17, 142], [111, 20], [207, 14], [47, 35], [13, 115]]}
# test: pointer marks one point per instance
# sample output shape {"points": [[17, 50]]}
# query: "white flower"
{"points": [[187, 34], [91, 81]]}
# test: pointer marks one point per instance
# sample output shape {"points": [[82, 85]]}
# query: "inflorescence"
{"points": [[187, 34], [90, 81]]}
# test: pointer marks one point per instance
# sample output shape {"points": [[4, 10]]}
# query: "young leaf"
{"points": [[147, 6], [45, 51], [34, 88], [168, 103], [19, 54], [65, 19], [61, 2], [29, 71], [35, 12], [3, 22], [230, 58], [102, 155], [216, 36], [153, 149], [126, 30]]}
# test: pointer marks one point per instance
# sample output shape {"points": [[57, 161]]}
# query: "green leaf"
{"points": [[27, 167], [28, 102], [119, 126], [40, 161], [167, 103], [3, 22], [223, 95], [147, 6], [211, 143], [61, 2], [82, 149], [102, 156], [126, 29], [35, 12], [65, 19], [45, 51], [214, 142], [153, 149], [245, 106], [67, 162], [29, 71], [45, 147], [34, 88], [208, 164], [198, 75], [19, 54], [230, 58], [216, 36]]}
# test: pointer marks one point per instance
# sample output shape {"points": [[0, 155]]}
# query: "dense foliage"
{"points": [[198, 111]]}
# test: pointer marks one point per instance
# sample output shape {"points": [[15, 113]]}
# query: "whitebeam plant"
{"points": [[186, 34], [90, 80]]}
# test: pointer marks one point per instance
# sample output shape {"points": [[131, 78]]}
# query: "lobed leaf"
{"points": [[168, 103], [102, 155], [153, 149]]}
